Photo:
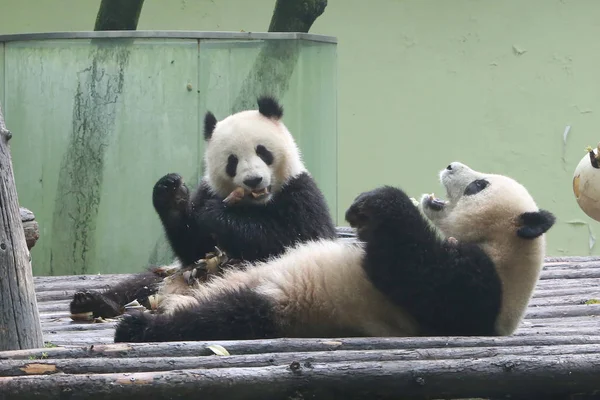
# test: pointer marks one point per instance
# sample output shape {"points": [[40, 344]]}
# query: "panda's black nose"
{"points": [[449, 167], [253, 182]]}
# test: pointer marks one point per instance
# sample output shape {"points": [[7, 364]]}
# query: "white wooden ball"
{"points": [[586, 186]]}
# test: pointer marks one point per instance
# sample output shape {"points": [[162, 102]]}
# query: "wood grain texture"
{"points": [[19, 320], [555, 353], [30, 227], [321, 380]]}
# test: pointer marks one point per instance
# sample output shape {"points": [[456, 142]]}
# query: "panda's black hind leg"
{"points": [[96, 303], [239, 314], [109, 303]]}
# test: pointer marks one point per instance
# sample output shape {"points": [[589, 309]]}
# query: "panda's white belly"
{"points": [[322, 291]]}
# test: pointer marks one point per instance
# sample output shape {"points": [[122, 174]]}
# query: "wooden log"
{"points": [[571, 273], [54, 295], [543, 299], [146, 364], [567, 283], [74, 327], [70, 282], [571, 299], [561, 321], [54, 314], [20, 326], [569, 325], [488, 377], [541, 296], [563, 311], [571, 265], [59, 301], [32, 233], [565, 259], [76, 284], [105, 333], [182, 349], [30, 227], [559, 307], [592, 292], [589, 331], [61, 305], [26, 215]]}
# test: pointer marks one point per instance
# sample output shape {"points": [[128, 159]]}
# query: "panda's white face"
{"points": [[251, 151], [479, 206], [499, 215]]}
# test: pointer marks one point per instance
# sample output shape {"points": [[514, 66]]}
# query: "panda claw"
{"points": [[170, 193], [452, 241], [433, 203]]}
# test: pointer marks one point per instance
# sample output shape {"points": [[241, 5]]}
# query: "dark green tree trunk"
{"points": [[296, 15], [118, 15], [277, 60], [97, 99]]}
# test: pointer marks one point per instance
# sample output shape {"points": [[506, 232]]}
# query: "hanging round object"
{"points": [[586, 183]]}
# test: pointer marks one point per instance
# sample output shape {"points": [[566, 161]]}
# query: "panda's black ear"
{"points": [[534, 224], [269, 107], [209, 125]]}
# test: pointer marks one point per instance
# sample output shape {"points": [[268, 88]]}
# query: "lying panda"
{"points": [[473, 275], [256, 199]]}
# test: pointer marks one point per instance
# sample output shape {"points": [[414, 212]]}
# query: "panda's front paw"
{"points": [[374, 205], [432, 206], [133, 327], [170, 194], [429, 201]]}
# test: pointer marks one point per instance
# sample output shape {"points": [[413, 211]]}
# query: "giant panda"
{"points": [[465, 266], [256, 199]]}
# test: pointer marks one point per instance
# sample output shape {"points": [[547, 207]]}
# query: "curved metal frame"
{"points": [[168, 35]]}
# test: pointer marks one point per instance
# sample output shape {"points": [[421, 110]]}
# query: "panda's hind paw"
{"points": [[95, 302]]}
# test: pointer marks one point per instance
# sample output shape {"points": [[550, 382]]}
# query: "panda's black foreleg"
{"points": [[109, 302], [449, 287], [240, 314], [171, 200]]}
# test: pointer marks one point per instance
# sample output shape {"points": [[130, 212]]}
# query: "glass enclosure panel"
{"points": [[94, 127], [302, 74], [97, 122], [2, 74]]}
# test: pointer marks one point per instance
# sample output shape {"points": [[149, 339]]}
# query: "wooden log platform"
{"points": [[554, 354]]}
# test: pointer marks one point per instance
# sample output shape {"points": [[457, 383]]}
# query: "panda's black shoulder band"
{"points": [[269, 107]]}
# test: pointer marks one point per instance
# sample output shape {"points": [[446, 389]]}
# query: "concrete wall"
{"points": [[489, 83]]}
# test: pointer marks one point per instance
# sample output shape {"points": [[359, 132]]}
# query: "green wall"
{"points": [[422, 83], [98, 122]]}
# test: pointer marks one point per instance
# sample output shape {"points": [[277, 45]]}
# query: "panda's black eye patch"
{"points": [[264, 154], [231, 167], [475, 187]]}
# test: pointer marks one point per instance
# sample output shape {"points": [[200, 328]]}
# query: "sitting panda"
{"points": [[256, 199], [462, 267]]}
